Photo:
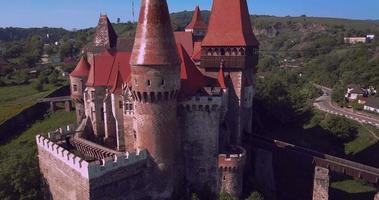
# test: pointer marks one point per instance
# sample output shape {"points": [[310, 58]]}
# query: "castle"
{"points": [[163, 119]]}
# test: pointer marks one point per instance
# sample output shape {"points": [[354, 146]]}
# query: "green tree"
{"points": [[340, 127], [338, 95], [37, 85], [226, 196], [194, 197], [21, 77], [255, 196], [66, 50], [53, 77], [357, 106]]}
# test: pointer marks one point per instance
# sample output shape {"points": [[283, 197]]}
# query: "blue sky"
{"points": [[84, 13]]}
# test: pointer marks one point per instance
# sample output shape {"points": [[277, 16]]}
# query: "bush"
{"points": [[53, 77], [194, 197], [357, 106], [21, 77], [2, 82], [255, 196], [226, 196], [37, 85], [341, 128], [338, 95]]}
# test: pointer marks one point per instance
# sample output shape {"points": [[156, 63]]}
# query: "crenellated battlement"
{"points": [[232, 161], [154, 97], [89, 170], [203, 103], [61, 133]]}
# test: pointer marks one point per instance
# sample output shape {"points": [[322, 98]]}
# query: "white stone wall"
{"points": [[89, 170], [117, 101]]}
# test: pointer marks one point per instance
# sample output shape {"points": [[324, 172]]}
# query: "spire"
{"points": [[197, 21], [82, 69], [221, 76], [105, 35], [154, 43], [230, 25]]}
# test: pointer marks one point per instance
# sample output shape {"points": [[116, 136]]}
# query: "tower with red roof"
{"points": [[155, 82], [197, 26], [78, 79], [230, 39]]}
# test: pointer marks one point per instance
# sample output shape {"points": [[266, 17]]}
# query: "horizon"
{"points": [[84, 15]]}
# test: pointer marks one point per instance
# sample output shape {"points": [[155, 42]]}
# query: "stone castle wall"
{"points": [[93, 98], [200, 123], [119, 177], [231, 167]]}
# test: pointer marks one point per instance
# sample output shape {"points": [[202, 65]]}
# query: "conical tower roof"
{"points": [[197, 21], [230, 25], [82, 69], [105, 35], [154, 43]]}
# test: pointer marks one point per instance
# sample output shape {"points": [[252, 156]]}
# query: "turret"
{"points": [[197, 26], [78, 78], [105, 35], [105, 38], [231, 166], [155, 84]]}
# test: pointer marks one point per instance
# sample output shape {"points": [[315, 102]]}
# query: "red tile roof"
{"points": [[221, 78], [196, 51], [230, 25], [185, 39], [192, 80], [105, 35], [154, 43], [117, 85], [82, 69], [106, 67], [197, 21]]}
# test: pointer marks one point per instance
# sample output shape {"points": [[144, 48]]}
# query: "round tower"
{"points": [[155, 83], [78, 78], [231, 166]]}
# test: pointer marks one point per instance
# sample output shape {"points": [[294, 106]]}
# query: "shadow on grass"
{"points": [[368, 156], [343, 187]]}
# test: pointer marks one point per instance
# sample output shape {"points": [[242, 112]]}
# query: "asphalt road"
{"points": [[324, 103]]}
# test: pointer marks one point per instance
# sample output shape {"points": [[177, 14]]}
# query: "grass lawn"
{"points": [[19, 173], [351, 190], [352, 186], [14, 99], [364, 140]]}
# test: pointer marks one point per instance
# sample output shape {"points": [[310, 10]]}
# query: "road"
{"points": [[324, 103]]}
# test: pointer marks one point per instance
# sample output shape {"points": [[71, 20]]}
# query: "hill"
{"points": [[15, 34]]}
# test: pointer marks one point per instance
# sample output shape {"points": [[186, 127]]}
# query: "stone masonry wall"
{"points": [[231, 168], [321, 184], [200, 122], [54, 172], [94, 109]]}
